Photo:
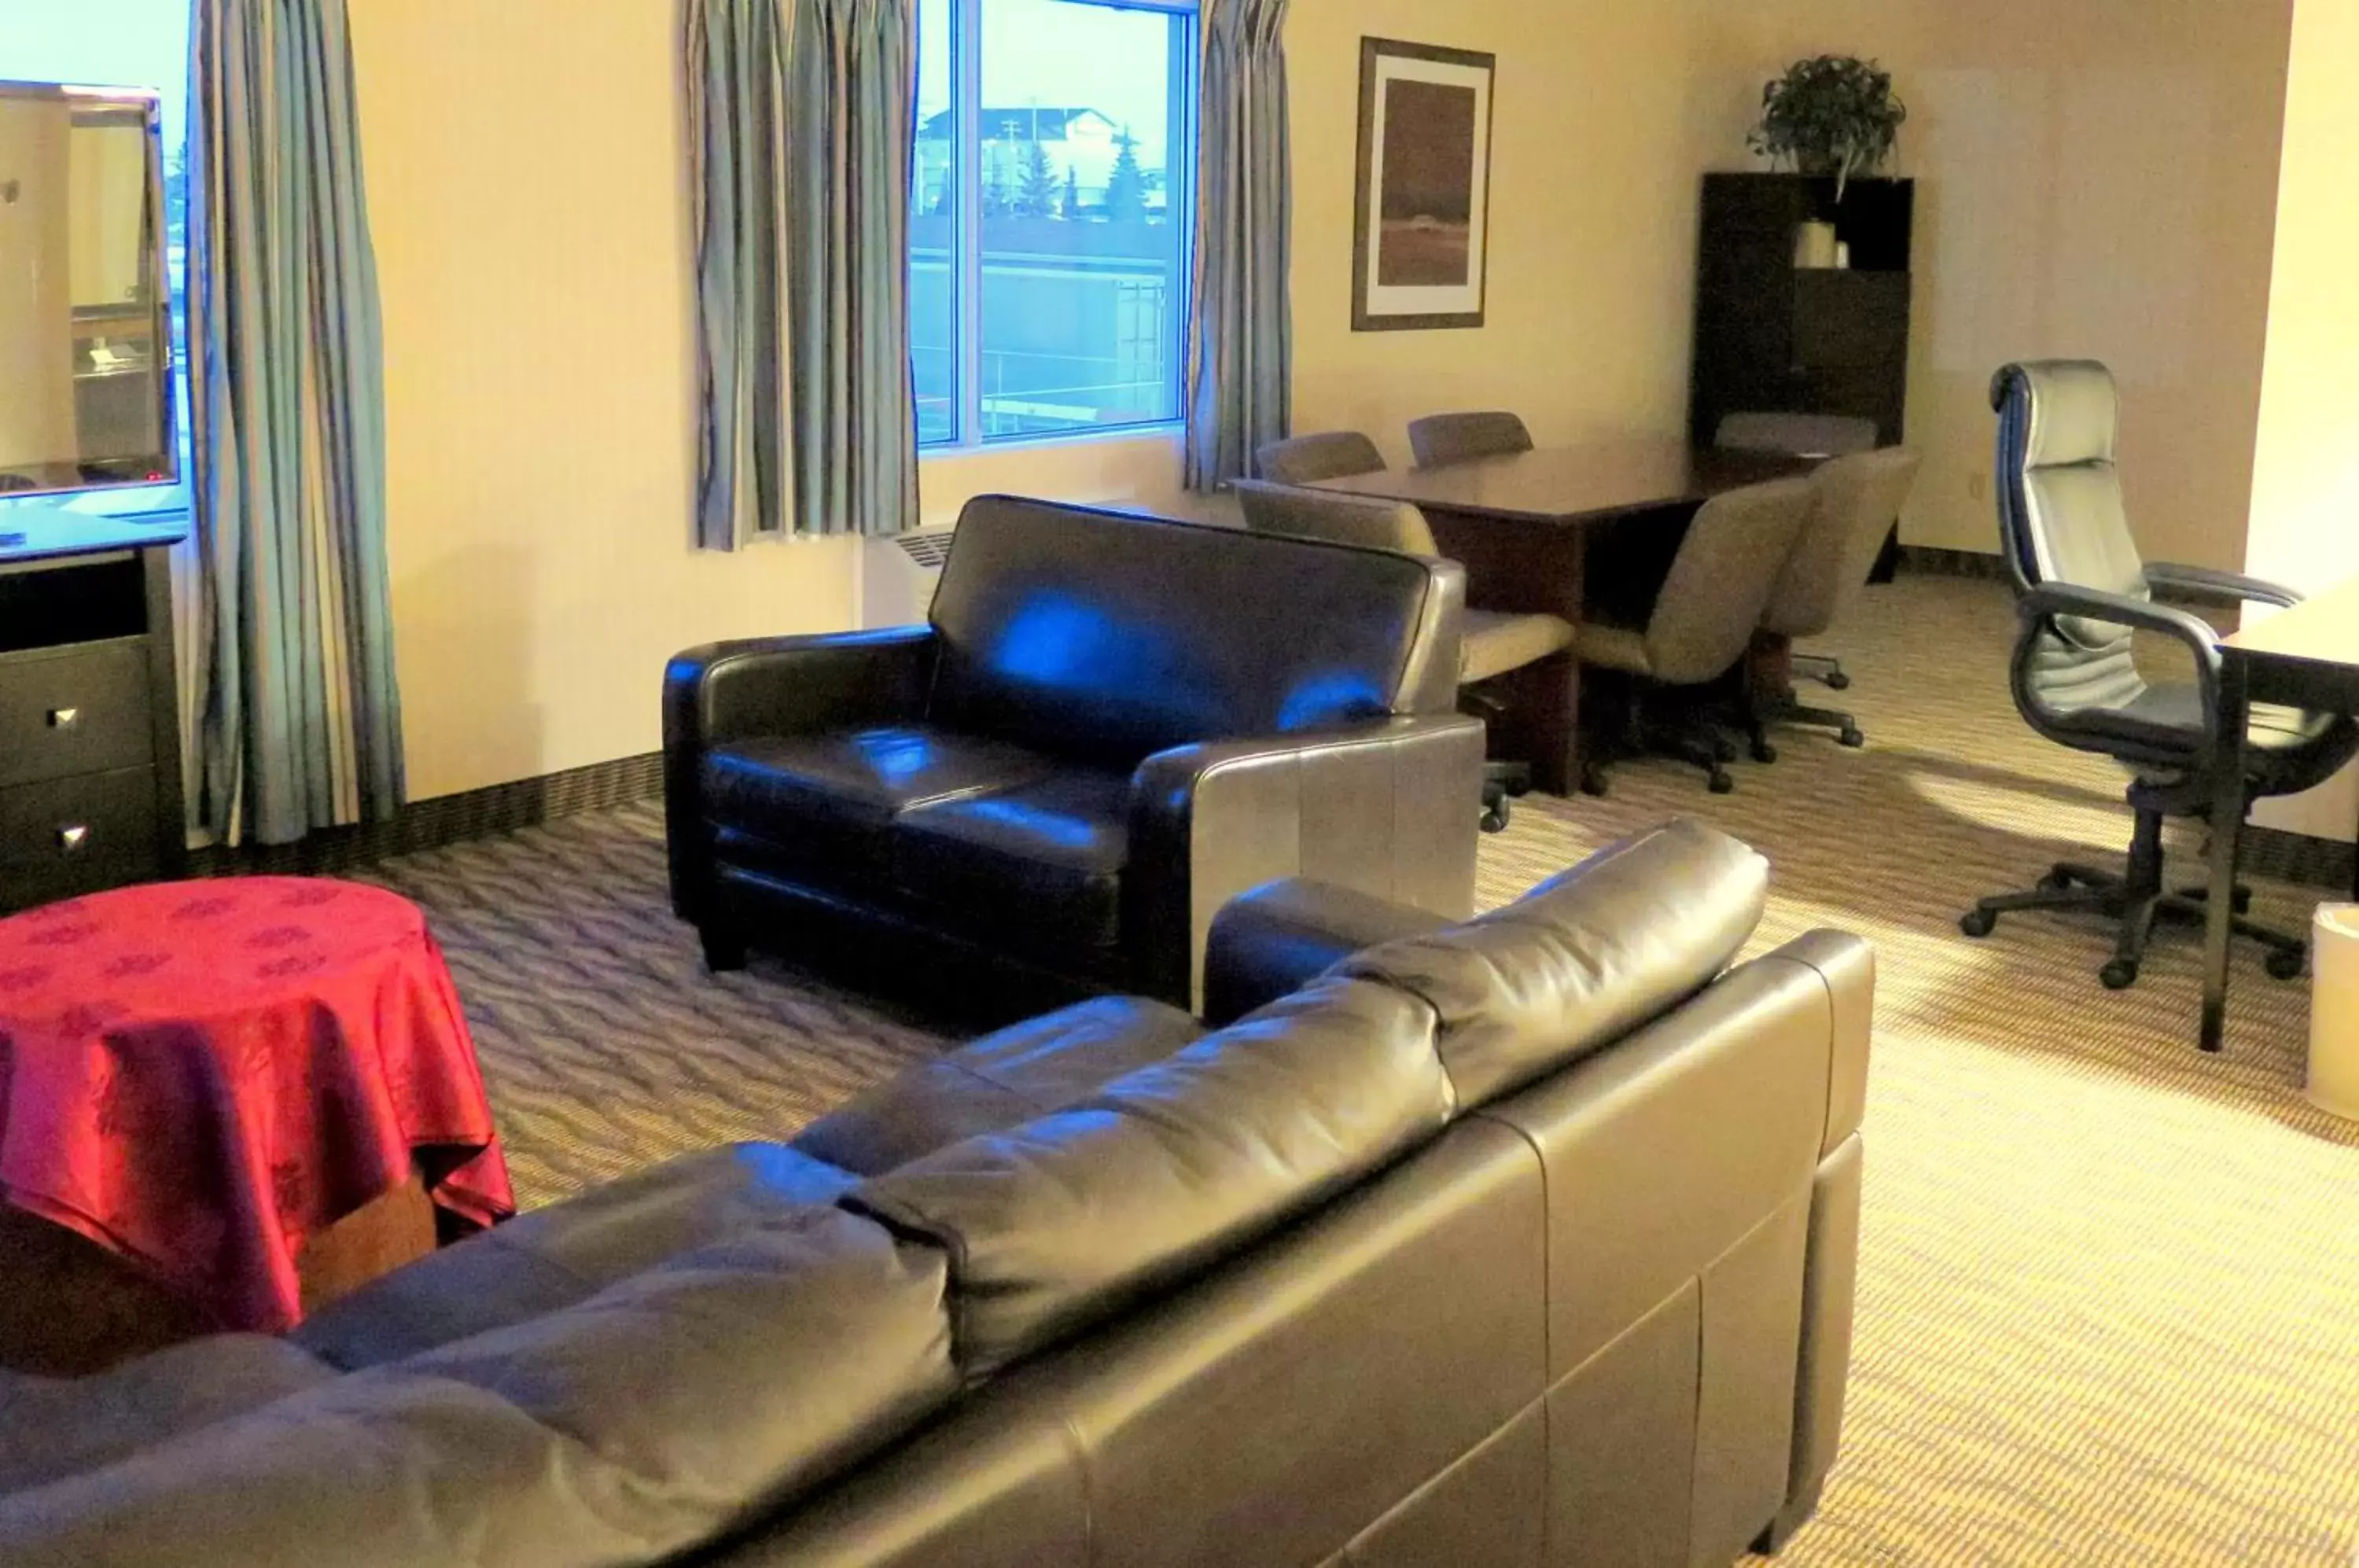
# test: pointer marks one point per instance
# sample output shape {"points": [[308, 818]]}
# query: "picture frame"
{"points": [[1420, 232]]}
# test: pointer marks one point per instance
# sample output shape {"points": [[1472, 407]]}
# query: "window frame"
{"points": [[967, 436]]}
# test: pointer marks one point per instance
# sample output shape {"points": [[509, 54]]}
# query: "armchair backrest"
{"points": [[1366, 521], [1858, 499], [1719, 582], [2061, 520], [1440, 438], [1106, 637], [1330, 455]]}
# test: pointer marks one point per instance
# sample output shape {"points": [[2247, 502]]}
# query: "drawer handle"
{"points": [[64, 718], [71, 839]]}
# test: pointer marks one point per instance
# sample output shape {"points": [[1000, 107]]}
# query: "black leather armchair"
{"points": [[1110, 726], [2082, 594]]}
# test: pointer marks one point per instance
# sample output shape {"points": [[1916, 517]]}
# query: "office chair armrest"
{"points": [[2050, 600], [2220, 587]]}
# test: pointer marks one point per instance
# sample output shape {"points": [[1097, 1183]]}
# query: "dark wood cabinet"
{"points": [[1777, 338], [90, 734]]}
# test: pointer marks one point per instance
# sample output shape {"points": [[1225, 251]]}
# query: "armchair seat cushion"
{"points": [[1049, 854], [828, 796]]}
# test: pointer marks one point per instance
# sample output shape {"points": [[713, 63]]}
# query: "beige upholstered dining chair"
{"points": [[1700, 628], [1858, 497], [1496, 643], [1802, 435], [1440, 438], [1329, 455]]}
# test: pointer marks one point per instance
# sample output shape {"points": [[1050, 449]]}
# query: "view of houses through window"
{"points": [[1049, 234]]}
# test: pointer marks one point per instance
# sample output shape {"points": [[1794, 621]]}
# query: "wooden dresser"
{"points": [[90, 732]]}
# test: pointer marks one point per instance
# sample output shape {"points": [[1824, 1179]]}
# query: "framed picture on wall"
{"points": [[1420, 238]]}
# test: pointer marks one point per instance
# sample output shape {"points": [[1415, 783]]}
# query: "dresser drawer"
{"points": [[76, 835], [82, 710]]}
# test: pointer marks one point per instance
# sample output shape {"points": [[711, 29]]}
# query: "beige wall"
{"points": [[1592, 220], [2305, 529], [523, 168], [2096, 177]]}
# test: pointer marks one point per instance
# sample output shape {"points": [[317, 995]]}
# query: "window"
{"points": [[121, 43], [1051, 223]]}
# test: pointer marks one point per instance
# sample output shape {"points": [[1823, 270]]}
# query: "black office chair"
{"points": [[2081, 593]]}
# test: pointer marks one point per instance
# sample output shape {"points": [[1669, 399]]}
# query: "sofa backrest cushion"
{"points": [[1055, 1223], [1001, 1081], [553, 1257], [671, 1405], [54, 1427], [1581, 960], [1103, 637]]}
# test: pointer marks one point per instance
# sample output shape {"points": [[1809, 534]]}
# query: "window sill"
{"points": [[1162, 430]]}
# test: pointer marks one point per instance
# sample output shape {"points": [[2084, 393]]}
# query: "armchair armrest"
{"points": [[1387, 808], [2049, 601], [1278, 937], [2205, 583], [783, 685]]}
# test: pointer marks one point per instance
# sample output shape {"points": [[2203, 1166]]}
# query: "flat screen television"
{"points": [[85, 307]]}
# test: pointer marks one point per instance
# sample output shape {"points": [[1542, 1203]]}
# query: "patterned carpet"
{"points": [[2109, 1288]]}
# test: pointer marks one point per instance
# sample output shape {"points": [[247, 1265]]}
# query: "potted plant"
{"points": [[1829, 115]]}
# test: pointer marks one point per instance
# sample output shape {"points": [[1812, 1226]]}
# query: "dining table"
{"points": [[1574, 531]]}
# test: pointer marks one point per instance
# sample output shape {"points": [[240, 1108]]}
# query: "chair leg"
{"points": [[724, 950], [1820, 666]]}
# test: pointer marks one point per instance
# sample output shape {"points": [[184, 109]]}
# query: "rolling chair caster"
{"points": [[1496, 810], [1763, 752], [2283, 966], [1837, 680], [1978, 923], [1853, 737], [1592, 780], [1503, 781], [1721, 783], [2118, 975]]}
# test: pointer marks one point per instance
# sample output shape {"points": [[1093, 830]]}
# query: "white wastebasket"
{"points": [[2334, 1011]]}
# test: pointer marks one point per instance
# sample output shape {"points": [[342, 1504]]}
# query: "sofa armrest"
{"points": [[1278, 937], [785, 685], [1387, 808]]}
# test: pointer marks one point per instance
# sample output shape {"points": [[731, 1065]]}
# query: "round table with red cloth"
{"points": [[199, 1075]]}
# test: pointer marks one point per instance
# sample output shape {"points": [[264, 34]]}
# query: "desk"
{"points": [[1522, 524], [89, 709], [2306, 657]]}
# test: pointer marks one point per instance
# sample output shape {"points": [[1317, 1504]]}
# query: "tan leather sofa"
{"points": [[1524, 1241]]}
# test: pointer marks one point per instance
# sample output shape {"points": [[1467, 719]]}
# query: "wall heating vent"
{"points": [[898, 576]]}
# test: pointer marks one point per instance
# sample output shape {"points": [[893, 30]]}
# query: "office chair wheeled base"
{"points": [[2137, 899]]}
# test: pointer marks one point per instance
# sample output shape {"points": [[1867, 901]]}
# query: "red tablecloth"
{"points": [[200, 1075]]}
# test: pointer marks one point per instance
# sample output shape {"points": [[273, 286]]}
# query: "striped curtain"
{"points": [[803, 130], [850, 146], [1240, 322], [300, 724], [736, 95]]}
